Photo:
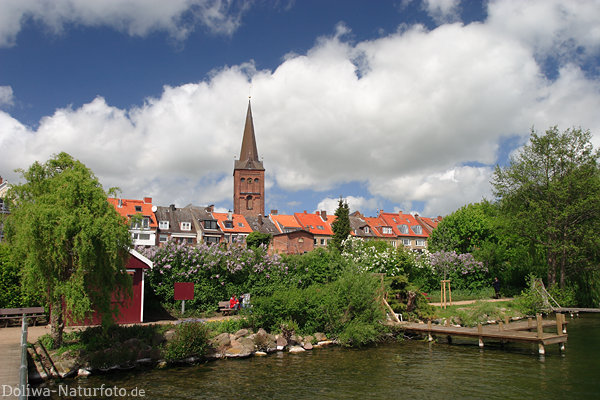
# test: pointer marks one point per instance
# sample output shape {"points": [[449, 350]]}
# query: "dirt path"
{"points": [[463, 302]]}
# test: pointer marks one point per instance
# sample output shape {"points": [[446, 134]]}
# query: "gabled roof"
{"points": [[175, 216], [314, 223], [249, 152], [376, 224], [282, 221], [429, 224], [358, 225], [396, 220], [262, 224], [127, 208], [239, 223], [202, 214]]}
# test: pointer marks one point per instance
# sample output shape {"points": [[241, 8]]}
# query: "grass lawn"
{"points": [[480, 311]]}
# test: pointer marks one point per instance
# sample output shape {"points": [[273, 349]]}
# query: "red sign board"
{"points": [[184, 290]]}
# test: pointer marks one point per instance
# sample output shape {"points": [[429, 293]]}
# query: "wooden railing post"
{"points": [[540, 328], [480, 331]]}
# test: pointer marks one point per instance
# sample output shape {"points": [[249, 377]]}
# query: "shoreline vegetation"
{"points": [[93, 350]]}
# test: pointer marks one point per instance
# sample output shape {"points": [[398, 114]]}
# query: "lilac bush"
{"points": [[217, 271], [462, 269]]}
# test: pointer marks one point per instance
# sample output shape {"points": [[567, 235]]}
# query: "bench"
{"points": [[9, 314], [224, 307]]}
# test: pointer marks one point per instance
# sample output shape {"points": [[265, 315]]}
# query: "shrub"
{"points": [[191, 339]]}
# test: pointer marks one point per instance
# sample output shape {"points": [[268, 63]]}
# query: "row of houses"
{"points": [[293, 234]]}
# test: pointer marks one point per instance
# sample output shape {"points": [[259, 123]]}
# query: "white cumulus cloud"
{"points": [[135, 17], [417, 116]]}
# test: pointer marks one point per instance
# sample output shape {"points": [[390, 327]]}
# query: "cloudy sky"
{"points": [[395, 105]]}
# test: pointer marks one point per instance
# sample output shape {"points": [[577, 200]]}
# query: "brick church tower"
{"points": [[249, 175]]}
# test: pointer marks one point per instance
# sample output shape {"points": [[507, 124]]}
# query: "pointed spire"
{"points": [[249, 152]]}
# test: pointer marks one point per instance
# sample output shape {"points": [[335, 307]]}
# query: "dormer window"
{"points": [[367, 230], [186, 226], [163, 224], [210, 224], [138, 208], [320, 227], [417, 229], [240, 224], [228, 224], [403, 229], [386, 230]]}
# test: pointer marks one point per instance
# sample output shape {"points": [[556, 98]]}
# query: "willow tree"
{"points": [[550, 193], [70, 242]]}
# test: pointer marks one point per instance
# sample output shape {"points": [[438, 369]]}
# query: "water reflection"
{"points": [[410, 369]]}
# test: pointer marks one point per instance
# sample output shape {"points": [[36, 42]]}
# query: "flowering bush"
{"points": [[462, 269], [217, 272], [377, 256]]}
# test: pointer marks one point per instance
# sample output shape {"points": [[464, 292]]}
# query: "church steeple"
{"points": [[249, 175], [249, 152]]}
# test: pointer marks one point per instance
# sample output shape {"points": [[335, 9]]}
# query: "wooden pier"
{"points": [[525, 331]]}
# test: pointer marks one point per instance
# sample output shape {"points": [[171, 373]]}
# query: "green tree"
{"points": [[466, 229], [341, 225], [550, 194], [71, 244], [255, 239]]}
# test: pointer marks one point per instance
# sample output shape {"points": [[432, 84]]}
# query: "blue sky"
{"points": [[395, 105]]}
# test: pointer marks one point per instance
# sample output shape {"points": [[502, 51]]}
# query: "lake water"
{"points": [[407, 369]]}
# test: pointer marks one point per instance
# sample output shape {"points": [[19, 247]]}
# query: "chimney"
{"points": [[229, 215], [147, 200], [260, 221], [210, 208], [172, 207], [324, 215], [274, 212], [304, 211]]}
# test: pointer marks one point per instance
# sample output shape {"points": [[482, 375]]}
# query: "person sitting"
{"points": [[233, 302]]}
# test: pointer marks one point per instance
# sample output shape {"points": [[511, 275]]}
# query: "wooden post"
{"points": [[480, 331], [540, 329], [442, 294], [429, 337], [563, 317], [506, 320], [500, 326], [450, 292], [558, 324]]}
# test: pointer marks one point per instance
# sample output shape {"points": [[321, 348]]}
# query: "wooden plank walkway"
{"points": [[520, 331], [10, 348], [575, 310]]}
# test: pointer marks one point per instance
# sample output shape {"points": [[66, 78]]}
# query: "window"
{"points": [[367, 230], [322, 242], [249, 203], [406, 242], [163, 238], [393, 243], [301, 240], [320, 227], [186, 226], [146, 223], [417, 229], [228, 224], [386, 230], [316, 242], [420, 242], [240, 224], [144, 236], [403, 229], [242, 181], [256, 180], [138, 208], [190, 240], [163, 224], [210, 224], [211, 239]]}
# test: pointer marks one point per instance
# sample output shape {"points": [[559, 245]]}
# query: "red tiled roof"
{"points": [[314, 223], [240, 225], [128, 208], [285, 221], [395, 220]]}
